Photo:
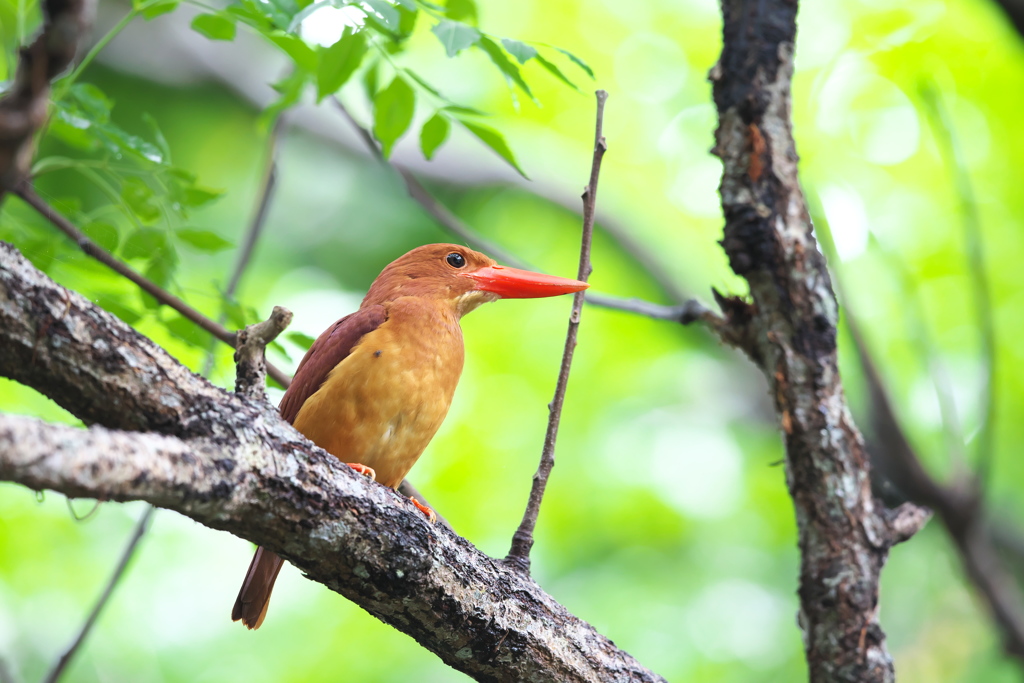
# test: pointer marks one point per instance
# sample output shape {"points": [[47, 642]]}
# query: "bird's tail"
{"points": [[254, 596]]}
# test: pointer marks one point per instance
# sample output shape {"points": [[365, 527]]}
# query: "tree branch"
{"points": [[232, 464], [140, 529], [522, 541], [90, 248], [844, 535], [958, 505]]}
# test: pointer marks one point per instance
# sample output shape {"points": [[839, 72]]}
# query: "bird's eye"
{"points": [[455, 260]]}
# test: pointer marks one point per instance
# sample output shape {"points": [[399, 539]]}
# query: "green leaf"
{"points": [[503, 63], [114, 304], [291, 88], [385, 12], [339, 62], [577, 61], [162, 266], [144, 243], [198, 196], [555, 71], [462, 10], [92, 101], [303, 55], [236, 314], [187, 331], [139, 198], [459, 109], [103, 234], [203, 240], [455, 36], [495, 141], [392, 113], [250, 14], [520, 50], [276, 346], [370, 80], [409, 5], [73, 131], [214, 26], [155, 10], [301, 340], [407, 22], [434, 133], [158, 136]]}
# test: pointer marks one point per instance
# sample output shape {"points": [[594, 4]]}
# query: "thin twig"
{"points": [[268, 184], [65, 659], [522, 541], [28, 194], [982, 293]]}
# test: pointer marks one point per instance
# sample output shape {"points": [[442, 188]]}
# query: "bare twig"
{"points": [[26, 192], [522, 541], [115, 578], [267, 186], [946, 133], [251, 370]]}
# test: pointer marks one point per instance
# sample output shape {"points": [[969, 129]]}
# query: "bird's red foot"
{"points": [[363, 470], [431, 515]]}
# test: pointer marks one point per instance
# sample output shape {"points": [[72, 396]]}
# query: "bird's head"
{"points": [[463, 277]]}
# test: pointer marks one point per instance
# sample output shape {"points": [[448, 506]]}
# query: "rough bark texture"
{"points": [[790, 333], [233, 464]]}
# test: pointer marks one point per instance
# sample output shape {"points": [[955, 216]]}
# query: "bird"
{"points": [[374, 388]]}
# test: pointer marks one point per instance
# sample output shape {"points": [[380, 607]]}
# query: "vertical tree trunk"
{"points": [[789, 330]]}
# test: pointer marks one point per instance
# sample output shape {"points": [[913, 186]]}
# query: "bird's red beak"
{"points": [[512, 283]]}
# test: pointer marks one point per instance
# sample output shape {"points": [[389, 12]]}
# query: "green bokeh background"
{"points": [[667, 524]]}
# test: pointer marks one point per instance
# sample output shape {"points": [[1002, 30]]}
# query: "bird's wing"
{"points": [[333, 346]]}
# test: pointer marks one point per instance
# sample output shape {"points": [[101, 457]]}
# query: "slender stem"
{"points": [[268, 184], [65, 659], [30, 197], [522, 541]]}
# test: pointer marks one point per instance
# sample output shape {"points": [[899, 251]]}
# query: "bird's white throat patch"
{"points": [[472, 299]]}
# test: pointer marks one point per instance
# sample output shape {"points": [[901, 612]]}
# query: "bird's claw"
{"points": [[431, 515], [363, 470]]}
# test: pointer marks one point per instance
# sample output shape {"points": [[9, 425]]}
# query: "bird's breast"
{"points": [[383, 403]]}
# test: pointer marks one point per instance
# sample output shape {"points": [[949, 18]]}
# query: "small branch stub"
{"points": [[251, 370]]}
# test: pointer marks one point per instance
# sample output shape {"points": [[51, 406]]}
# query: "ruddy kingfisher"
{"points": [[376, 385]]}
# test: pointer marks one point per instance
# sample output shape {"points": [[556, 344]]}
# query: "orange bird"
{"points": [[376, 385]]}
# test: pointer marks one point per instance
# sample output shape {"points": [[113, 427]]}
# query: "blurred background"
{"points": [[667, 524]]}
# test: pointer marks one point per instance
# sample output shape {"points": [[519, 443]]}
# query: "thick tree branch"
{"points": [[844, 535], [29, 195], [233, 464]]}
